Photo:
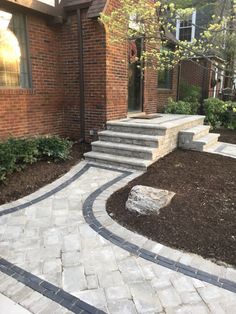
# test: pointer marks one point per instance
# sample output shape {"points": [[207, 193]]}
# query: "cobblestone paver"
{"points": [[52, 240], [224, 149]]}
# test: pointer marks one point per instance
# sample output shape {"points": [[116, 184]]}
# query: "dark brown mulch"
{"points": [[37, 175], [201, 217], [226, 135]]}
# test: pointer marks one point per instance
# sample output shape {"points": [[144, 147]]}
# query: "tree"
{"points": [[155, 21], [229, 47]]}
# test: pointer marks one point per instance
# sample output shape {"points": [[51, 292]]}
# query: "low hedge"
{"points": [[16, 153]]}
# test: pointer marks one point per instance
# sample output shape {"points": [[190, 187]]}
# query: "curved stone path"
{"points": [[61, 253]]}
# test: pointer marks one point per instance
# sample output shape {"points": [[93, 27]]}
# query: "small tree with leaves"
{"points": [[155, 21]]}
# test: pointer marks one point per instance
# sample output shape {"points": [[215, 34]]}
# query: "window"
{"points": [[14, 69], [165, 78], [185, 29]]}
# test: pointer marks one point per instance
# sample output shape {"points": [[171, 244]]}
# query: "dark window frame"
{"points": [[167, 82], [27, 83]]}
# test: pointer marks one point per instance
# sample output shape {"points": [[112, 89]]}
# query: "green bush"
{"points": [[229, 115], [190, 93], [54, 147], [16, 153], [24, 150], [214, 109], [220, 113], [179, 107], [7, 160]]}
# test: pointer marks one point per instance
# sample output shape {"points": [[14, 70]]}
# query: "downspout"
{"points": [[178, 81], [205, 91], [81, 76]]}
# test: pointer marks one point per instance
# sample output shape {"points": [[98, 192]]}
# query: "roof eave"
{"points": [[33, 6]]}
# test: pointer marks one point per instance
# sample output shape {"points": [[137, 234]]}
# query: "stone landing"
{"points": [[138, 142]]}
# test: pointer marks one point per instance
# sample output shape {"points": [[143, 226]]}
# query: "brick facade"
{"points": [[38, 110], [52, 106], [201, 74], [164, 94]]}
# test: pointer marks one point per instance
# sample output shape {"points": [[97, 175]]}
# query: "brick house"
{"points": [[60, 75]]}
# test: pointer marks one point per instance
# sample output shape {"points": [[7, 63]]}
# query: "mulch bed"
{"points": [[226, 135], [201, 217], [35, 176]]}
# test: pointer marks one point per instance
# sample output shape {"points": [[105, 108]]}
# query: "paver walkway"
{"points": [[10, 307], [70, 256], [224, 149]]}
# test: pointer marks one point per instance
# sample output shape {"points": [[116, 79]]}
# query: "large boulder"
{"points": [[146, 200]]}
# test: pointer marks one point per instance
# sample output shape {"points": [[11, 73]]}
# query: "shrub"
{"points": [[24, 150], [190, 93], [179, 107], [214, 109], [7, 160], [16, 153], [229, 115], [219, 113], [54, 147]]}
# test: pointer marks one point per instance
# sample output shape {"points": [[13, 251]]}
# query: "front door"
{"points": [[135, 88]]}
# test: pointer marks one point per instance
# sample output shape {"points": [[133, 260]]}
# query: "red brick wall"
{"points": [[94, 52], [164, 94], [116, 75], [150, 91], [94, 74], [39, 110], [195, 74], [53, 104], [69, 68]]}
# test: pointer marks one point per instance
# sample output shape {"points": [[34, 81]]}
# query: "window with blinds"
{"points": [[14, 67]]}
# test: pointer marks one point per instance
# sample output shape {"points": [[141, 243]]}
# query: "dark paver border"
{"points": [[140, 252], [45, 195], [47, 289], [69, 301]]}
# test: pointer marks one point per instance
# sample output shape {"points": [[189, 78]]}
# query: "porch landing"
{"points": [[139, 141]]}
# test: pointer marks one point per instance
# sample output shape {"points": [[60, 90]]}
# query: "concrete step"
{"points": [[131, 138], [142, 128], [185, 122], [205, 142], [177, 123], [121, 161], [188, 135], [125, 150]]}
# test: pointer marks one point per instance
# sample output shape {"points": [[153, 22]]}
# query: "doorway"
{"points": [[135, 72]]}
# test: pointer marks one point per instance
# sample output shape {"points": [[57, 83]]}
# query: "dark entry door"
{"points": [[135, 89]]}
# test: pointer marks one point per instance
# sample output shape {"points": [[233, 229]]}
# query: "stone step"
{"points": [[188, 135], [205, 142], [129, 127], [118, 161], [131, 138], [125, 150], [149, 128]]}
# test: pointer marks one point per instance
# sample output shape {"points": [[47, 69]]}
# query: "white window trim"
{"points": [[194, 16]]}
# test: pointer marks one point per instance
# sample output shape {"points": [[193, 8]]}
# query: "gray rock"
{"points": [[146, 200]]}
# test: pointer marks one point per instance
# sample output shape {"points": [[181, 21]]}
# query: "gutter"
{"points": [[81, 76], [178, 81]]}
